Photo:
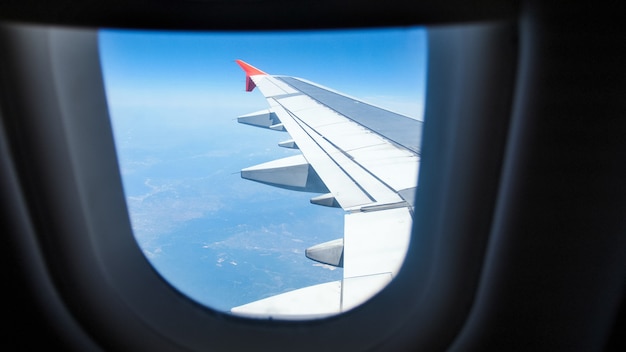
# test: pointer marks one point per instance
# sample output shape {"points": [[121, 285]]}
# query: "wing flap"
{"points": [[374, 247], [310, 302], [376, 242]]}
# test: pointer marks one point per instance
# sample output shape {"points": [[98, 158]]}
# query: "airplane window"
{"points": [[175, 100]]}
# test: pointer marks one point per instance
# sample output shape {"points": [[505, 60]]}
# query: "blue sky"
{"points": [[174, 98], [381, 65]]}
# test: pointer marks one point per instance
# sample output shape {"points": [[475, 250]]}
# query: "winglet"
{"points": [[250, 71]]}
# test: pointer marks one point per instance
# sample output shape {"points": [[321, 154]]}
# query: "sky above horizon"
{"points": [[174, 98], [198, 68]]}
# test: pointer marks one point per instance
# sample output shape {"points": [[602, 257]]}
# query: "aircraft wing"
{"points": [[359, 157]]}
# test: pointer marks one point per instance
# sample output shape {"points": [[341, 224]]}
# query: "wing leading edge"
{"points": [[361, 158]]}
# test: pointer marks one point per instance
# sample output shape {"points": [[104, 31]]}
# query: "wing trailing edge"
{"points": [[310, 302]]}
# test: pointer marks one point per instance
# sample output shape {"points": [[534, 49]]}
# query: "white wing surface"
{"points": [[359, 157]]}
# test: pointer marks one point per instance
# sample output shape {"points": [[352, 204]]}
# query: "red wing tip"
{"points": [[249, 69]]}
